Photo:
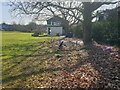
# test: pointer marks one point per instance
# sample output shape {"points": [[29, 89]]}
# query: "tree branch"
{"points": [[96, 5]]}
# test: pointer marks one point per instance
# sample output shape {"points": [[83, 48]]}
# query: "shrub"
{"points": [[35, 34], [106, 31], [77, 31], [57, 34], [58, 55]]}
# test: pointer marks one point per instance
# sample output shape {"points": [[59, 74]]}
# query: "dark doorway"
{"points": [[49, 31]]}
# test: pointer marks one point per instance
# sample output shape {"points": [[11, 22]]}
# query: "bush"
{"points": [[77, 31], [35, 34], [106, 31], [58, 55], [57, 34]]}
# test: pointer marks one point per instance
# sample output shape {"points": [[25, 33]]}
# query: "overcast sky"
{"points": [[8, 18]]}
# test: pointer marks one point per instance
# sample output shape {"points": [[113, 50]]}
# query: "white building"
{"points": [[54, 26]]}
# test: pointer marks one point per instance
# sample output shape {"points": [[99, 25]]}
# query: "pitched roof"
{"points": [[56, 18]]}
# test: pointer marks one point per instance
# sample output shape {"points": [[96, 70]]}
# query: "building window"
{"points": [[52, 23]]}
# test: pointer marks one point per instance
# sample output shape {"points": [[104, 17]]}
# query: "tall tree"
{"points": [[89, 8], [74, 11]]}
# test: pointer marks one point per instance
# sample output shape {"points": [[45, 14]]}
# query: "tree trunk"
{"points": [[87, 24]]}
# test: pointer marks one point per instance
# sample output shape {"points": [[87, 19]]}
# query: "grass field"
{"points": [[16, 43], [19, 53]]}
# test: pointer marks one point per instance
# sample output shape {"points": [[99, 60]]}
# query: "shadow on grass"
{"points": [[23, 75], [17, 59], [23, 70]]}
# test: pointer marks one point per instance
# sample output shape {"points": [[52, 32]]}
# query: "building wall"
{"points": [[55, 30]]}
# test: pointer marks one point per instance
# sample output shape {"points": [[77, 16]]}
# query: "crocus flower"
{"points": [[108, 49], [115, 53]]}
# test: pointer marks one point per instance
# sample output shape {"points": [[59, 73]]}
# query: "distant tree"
{"points": [[31, 26], [14, 26], [40, 29], [6, 27]]}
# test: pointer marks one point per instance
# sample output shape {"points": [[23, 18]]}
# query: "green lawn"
{"points": [[17, 43], [20, 53]]}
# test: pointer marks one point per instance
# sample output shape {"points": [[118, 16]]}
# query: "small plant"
{"points": [[58, 55], [57, 34]]}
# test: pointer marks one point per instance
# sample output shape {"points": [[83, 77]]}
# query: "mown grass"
{"points": [[16, 43], [20, 56]]}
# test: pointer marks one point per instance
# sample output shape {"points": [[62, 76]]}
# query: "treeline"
{"points": [[31, 27]]}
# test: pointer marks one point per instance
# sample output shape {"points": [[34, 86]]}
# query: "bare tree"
{"points": [[48, 9], [75, 12]]}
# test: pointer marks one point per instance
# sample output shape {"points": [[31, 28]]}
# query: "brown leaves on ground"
{"points": [[82, 77], [73, 66], [92, 66]]}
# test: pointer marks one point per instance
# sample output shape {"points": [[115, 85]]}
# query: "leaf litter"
{"points": [[76, 65]]}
